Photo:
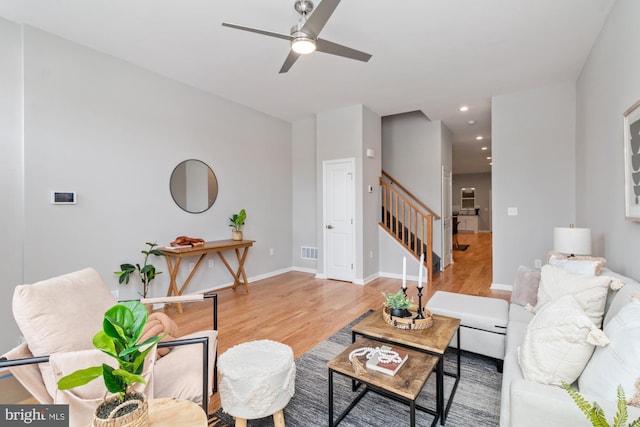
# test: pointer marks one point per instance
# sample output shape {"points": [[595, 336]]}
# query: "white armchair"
{"points": [[58, 318]]}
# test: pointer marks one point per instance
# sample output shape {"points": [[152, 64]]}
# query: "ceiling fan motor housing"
{"points": [[303, 7]]}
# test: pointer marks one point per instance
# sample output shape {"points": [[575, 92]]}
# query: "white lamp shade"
{"points": [[574, 241]]}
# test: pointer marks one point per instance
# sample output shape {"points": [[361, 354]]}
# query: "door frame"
{"points": [[325, 164]]}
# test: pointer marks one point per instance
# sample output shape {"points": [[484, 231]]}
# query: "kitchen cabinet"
{"points": [[468, 223]]}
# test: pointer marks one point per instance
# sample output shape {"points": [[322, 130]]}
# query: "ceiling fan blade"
{"points": [[319, 17], [256, 30], [340, 50], [291, 59]]}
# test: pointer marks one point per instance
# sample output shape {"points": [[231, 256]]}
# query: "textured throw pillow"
{"points": [[589, 291], [558, 343], [159, 324], [616, 364], [586, 265], [525, 287]]}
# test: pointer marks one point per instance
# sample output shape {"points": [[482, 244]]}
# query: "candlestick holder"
{"points": [[420, 314]]}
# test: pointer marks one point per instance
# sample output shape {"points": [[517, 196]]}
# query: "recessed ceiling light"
{"points": [[472, 122], [490, 163], [484, 148], [488, 157], [464, 108], [478, 137]]}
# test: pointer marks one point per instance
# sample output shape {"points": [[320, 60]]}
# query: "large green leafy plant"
{"points": [[121, 329], [147, 272], [595, 414]]}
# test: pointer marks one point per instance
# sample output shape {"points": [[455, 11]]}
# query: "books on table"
{"points": [[390, 368]]}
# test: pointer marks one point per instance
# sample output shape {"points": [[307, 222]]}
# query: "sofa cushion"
{"points": [[61, 314], [589, 291], [558, 342], [617, 363], [617, 300], [525, 287]]}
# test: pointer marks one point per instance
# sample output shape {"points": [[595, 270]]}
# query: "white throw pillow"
{"points": [[585, 265], [589, 291], [616, 364], [558, 343]]}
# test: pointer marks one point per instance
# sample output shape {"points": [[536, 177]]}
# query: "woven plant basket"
{"points": [[409, 323], [138, 418]]}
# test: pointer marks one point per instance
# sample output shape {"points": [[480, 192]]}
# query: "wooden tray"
{"points": [[409, 323]]}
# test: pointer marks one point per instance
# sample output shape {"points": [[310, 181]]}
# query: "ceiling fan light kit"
{"points": [[302, 43], [304, 36]]}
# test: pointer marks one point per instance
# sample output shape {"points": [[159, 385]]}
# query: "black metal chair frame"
{"points": [[5, 363]]}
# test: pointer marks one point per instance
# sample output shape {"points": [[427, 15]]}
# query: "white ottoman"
{"points": [[257, 379], [483, 322]]}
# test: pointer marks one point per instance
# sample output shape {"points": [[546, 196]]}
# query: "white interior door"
{"points": [[447, 257], [339, 213]]}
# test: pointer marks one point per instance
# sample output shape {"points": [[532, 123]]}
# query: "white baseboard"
{"points": [[304, 270], [501, 287]]}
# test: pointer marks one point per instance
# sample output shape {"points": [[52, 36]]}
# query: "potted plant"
{"points": [[146, 273], [595, 414], [398, 303], [237, 222], [122, 327]]}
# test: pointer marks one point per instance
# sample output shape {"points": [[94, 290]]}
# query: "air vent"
{"points": [[307, 252]]}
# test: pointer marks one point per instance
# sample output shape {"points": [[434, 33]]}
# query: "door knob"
{"points": [[330, 227]]}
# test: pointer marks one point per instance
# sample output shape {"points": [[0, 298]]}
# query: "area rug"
{"points": [[476, 403], [460, 247]]}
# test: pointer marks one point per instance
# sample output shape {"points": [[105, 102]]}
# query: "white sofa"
{"points": [[529, 403]]}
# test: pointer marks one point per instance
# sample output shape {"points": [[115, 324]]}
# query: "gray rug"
{"points": [[476, 403]]}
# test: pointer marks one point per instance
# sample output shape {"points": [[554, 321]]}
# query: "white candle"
{"points": [[404, 273], [420, 267]]}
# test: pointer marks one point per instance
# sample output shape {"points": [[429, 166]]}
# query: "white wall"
{"points": [[482, 183], [304, 199], [608, 85], [113, 132], [11, 176], [533, 146], [414, 150]]}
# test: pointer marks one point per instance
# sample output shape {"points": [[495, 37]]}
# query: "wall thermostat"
{"points": [[64, 198]]}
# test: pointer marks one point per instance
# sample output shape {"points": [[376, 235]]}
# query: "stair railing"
{"points": [[408, 220]]}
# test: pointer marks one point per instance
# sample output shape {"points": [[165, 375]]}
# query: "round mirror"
{"points": [[194, 186]]}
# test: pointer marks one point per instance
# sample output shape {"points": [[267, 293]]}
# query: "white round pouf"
{"points": [[257, 379]]}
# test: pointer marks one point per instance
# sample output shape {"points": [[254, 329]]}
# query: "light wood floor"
{"points": [[300, 311]]}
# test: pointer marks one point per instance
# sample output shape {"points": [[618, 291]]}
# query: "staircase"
{"points": [[409, 221]]}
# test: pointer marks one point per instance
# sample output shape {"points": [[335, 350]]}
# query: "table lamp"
{"points": [[571, 240]]}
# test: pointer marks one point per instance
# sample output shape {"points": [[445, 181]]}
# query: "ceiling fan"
{"points": [[304, 36]]}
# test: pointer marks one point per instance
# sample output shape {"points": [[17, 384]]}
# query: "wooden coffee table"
{"points": [[404, 386], [433, 340]]}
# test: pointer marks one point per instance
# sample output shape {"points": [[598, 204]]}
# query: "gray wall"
{"points": [[533, 146], [371, 167], [414, 150], [304, 197], [114, 132], [482, 184], [11, 176], [608, 85], [346, 133]]}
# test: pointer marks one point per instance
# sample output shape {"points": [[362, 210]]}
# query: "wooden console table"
{"points": [[174, 258]]}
